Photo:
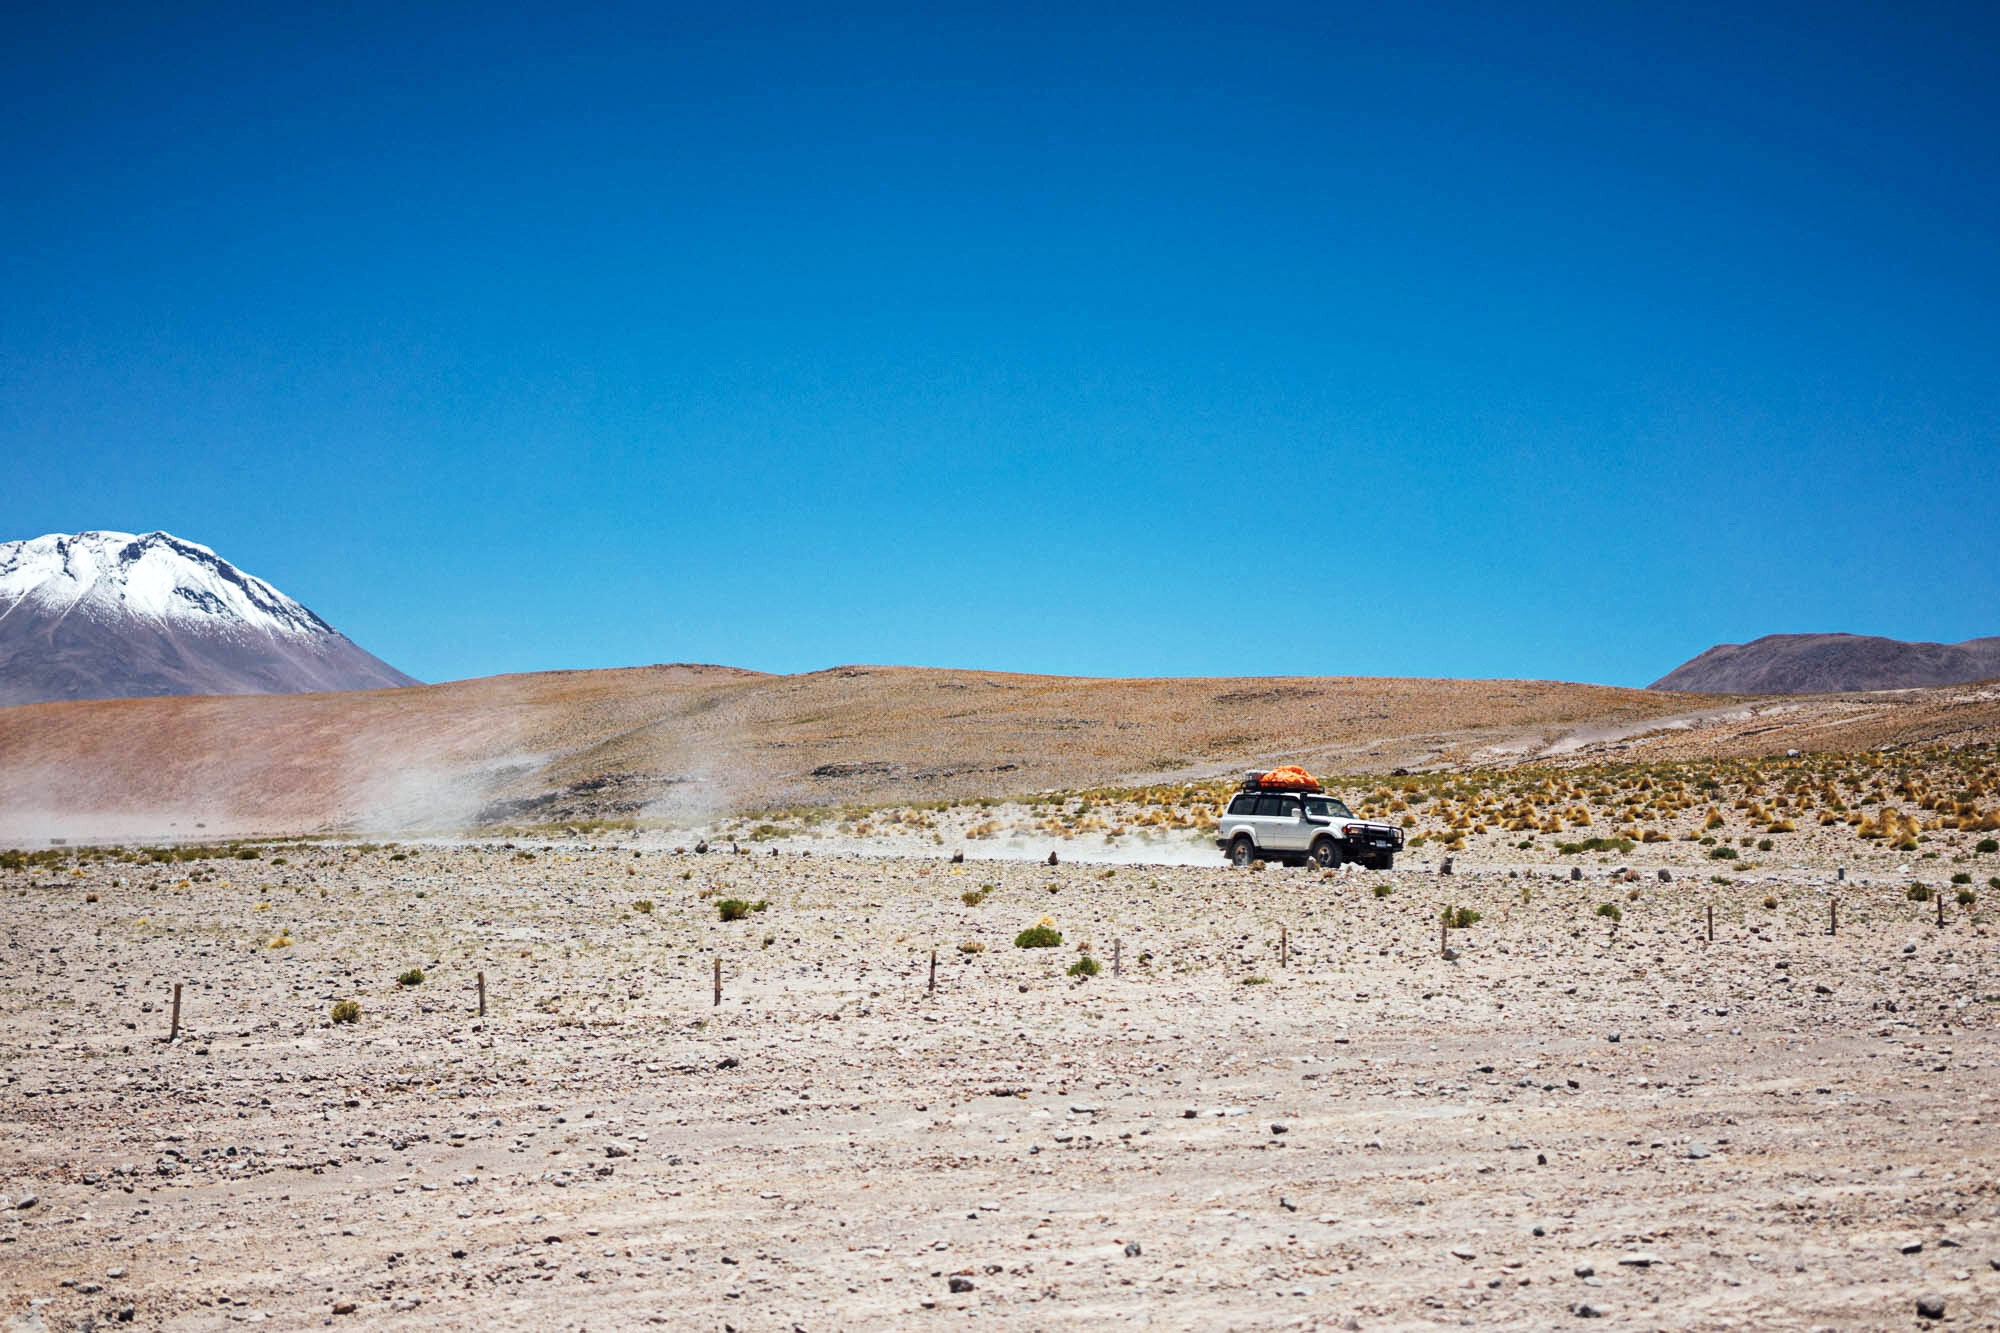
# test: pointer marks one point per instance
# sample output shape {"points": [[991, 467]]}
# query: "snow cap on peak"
{"points": [[104, 575]]}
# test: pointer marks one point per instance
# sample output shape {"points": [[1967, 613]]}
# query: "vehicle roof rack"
{"points": [[1263, 780]]}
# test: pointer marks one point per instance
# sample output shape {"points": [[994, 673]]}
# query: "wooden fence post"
{"points": [[482, 995], [932, 987], [718, 982], [1711, 923], [174, 1023]]}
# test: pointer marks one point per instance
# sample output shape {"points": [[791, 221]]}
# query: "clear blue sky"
{"points": [[1547, 341]]}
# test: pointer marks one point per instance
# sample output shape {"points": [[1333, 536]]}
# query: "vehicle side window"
{"points": [[1271, 805], [1244, 804]]}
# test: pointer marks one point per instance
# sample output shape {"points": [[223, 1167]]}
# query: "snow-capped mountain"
{"points": [[105, 615]]}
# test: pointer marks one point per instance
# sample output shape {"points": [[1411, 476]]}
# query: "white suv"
{"points": [[1296, 826]]}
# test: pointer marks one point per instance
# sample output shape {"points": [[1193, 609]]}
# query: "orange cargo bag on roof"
{"points": [[1290, 776]]}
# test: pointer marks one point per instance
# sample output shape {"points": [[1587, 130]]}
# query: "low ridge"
{"points": [[1831, 664]]}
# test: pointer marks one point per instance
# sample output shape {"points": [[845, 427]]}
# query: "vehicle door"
{"points": [[1323, 815], [1281, 824]]}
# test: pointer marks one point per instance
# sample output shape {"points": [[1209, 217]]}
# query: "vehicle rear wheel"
{"points": [[1326, 854], [1242, 852], [1387, 862]]}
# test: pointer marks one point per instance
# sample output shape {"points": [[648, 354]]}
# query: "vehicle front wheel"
{"points": [[1242, 852], [1326, 854]]}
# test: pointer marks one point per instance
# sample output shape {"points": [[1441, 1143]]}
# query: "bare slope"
{"points": [[694, 741], [1831, 663]]}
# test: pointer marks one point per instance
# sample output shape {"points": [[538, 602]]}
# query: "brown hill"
{"points": [[691, 741], [1831, 664]]}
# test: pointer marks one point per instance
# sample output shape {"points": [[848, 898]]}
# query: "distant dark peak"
{"points": [[1832, 664]]}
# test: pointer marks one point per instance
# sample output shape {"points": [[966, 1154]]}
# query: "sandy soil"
{"points": [[1781, 1128]]}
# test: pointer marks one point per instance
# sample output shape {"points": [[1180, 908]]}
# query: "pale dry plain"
{"points": [[1747, 1133], [1574, 1118]]}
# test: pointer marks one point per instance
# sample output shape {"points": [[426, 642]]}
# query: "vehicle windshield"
{"points": [[1326, 807]]}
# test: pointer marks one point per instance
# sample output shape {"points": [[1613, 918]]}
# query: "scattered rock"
{"points": [[1132, 1249], [1931, 1306], [960, 1285]]}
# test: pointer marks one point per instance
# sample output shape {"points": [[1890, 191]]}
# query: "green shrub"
{"points": [[1038, 937], [1085, 966], [1256, 981], [413, 977], [1458, 918], [974, 897], [1918, 893], [1611, 911], [1987, 845], [248, 854], [644, 905], [1961, 878], [1966, 897], [732, 909], [346, 1011], [1595, 845], [1770, 904], [1722, 853], [1384, 890], [1765, 844]]}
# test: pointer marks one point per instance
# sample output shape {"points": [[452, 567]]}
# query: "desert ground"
{"points": [[1286, 1099]]}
